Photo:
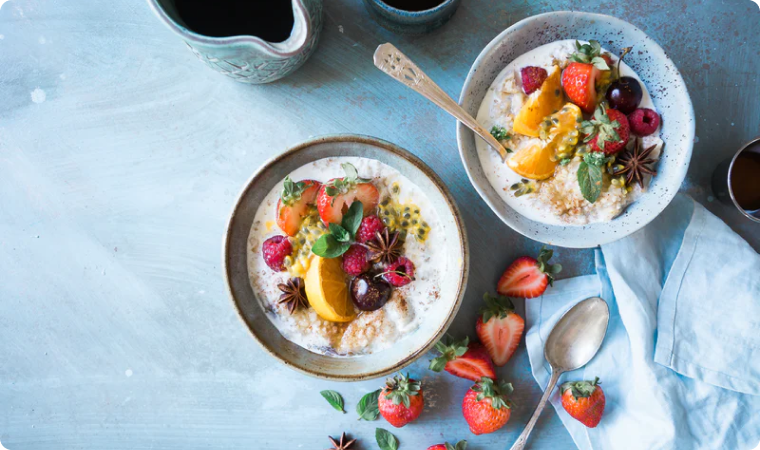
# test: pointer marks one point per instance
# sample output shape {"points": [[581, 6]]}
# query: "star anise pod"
{"points": [[341, 445], [386, 247], [635, 163], [293, 294]]}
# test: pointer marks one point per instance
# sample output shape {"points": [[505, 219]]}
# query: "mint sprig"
{"points": [[338, 240], [590, 175], [499, 133], [589, 54]]}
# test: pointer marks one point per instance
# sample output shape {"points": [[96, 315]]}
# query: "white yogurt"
{"points": [[503, 101], [372, 331]]}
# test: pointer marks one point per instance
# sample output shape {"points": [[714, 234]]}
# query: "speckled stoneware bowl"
{"points": [[407, 349], [665, 86], [411, 22]]}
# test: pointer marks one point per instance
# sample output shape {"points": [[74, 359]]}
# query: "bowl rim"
{"points": [[605, 238], [464, 270]]}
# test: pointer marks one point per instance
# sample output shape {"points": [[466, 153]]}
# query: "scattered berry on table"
{"points": [[274, 250], [532, 78], [485, 406], [528, 277], [400, 273], [584, 401], [499, 328], [400, 401], [355, 260], [367, 229], [463, 359], [643, 121], [461, 445]]}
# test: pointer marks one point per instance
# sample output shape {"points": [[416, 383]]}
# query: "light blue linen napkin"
{"points": [[680, 365]]}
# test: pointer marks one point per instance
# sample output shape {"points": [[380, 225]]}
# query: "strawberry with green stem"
{"points": [[528, 277], [294, 203], [584, 401], [338, 194], [499, 328], [461, 445], [401, 401], [486, 407], [463, 359], [607, 132]]}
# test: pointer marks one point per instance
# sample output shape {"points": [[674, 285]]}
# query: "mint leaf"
{"points": [[329, 247], [590, 181], [367, 407], [339, 233], [334, 399], [499, 133], [385, 440], [353, 217]]}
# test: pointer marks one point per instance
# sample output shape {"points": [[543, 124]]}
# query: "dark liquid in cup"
{"points": [[745, 179], [271, 20], [414, 5]]}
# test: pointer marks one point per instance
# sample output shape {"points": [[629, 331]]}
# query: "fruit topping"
{"points": [[335, 197], [500, 133], [463, 359], [294, 202], [643, 121], [528, 277], [343, 444], [404, 218], [608, 131], [293, 295], [461, 445], [633, 163], [499, 328], [590, 175], [274, 250], [355, 260], [485, 406], [523, 187], [401, 400], [532, 78], [584, 401], [579, 82], [535, 161], [338, 239], [327, 291], [548, 100], [368, 227], [591, 53], [386, 247], [624, 94], [400, 273], [369, 293], [563, 129]]}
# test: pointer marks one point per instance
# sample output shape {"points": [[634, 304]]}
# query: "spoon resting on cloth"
{"points": [[572, 343], [390, 60]]}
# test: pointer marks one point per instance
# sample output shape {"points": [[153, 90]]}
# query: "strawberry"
{"points": [[400, 401], [499, 328], [485, 406], [584, 401], [579, 82], [294, 202], [463, 359], [608, 131], [337, 195], [532, 78], [461, 445], [528, 277]]}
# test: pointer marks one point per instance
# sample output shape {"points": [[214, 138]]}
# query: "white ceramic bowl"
{"points": [[407, 349], [662, 79]]}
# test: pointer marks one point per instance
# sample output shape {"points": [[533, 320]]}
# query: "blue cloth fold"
{"points": [[680, 365]]}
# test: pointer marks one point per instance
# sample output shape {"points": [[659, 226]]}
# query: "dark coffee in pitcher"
{"points": [[414, 5], [271, 20]]}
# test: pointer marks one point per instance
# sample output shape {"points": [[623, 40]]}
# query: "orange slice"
{"points": [[327, 290], [546, 101], [535, 162]]}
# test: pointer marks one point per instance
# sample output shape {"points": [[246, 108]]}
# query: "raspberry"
{"points": [[601, 127], [367, 229], [399, 273], [644, 121], [355, 260], [532, 78], [274, 250]]}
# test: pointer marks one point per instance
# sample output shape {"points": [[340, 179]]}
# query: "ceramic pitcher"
{"points": [[250, 59]]}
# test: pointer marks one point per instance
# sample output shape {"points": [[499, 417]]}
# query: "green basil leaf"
{"points": [[385, 440], [367, 407], [590, 181], [334, 399], [328, 247], [339, 233], [353, 217]]}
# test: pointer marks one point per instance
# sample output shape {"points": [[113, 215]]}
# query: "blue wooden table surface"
{"points": [[121, 155]]}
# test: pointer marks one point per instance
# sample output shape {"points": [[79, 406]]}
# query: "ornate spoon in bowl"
{"points": [[390, 60]]}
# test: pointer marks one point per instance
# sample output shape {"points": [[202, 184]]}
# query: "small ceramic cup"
{"points": [[250, 59], [411, 22], [724, 179]]}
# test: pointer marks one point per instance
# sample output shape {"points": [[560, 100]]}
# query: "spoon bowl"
{"points": [[577, 336]]}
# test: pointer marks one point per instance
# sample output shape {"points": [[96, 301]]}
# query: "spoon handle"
{"points": [[523, 439], [390, 60]]}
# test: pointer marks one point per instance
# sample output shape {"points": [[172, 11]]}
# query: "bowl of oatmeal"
{"points": [[346, 257], [597, 122]]}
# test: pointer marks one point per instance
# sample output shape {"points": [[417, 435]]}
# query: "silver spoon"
{"points": [[572, 343], [390, 60]]}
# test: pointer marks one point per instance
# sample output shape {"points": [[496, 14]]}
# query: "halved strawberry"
{"points": [[463, 359], [337, 195], [499, 328], [579, 83], [294, 202], [528, 277]]}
